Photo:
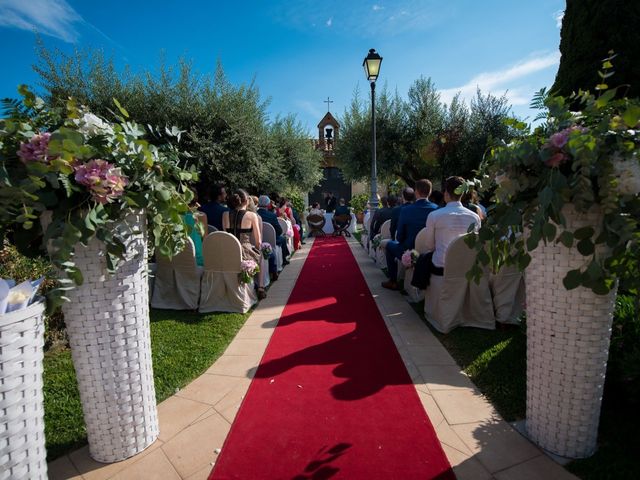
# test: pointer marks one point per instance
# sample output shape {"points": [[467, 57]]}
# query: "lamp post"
{"points": [[371, 66]]}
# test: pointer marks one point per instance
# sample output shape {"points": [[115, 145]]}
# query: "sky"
{"points": [[301, 52]]}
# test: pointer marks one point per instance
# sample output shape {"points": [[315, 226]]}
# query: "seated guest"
{"points": [[341, 209], [412, 219], [437, 197], [215, 208], [382, 214], [269, 217], [470, 200], [408, 197], [285, 211], [245, 226], [196, 232], [315, 209], [449, 222]]}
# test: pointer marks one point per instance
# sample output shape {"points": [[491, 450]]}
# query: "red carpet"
{"points": [[331, 398]]}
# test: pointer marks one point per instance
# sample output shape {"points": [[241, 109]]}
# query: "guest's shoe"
{"points": [[285, 262], [274, 276], [390, 284], [261, 294]]}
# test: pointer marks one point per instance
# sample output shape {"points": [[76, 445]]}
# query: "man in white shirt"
{"points": [[449, 222]]}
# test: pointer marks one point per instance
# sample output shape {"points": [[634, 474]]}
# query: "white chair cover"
{"points": [[221, 289], [287, 229], [269, 236], [414, 295], [508, 292], [211, 229], [365, 236], [177, 281], [451, 300], [381, 253]]}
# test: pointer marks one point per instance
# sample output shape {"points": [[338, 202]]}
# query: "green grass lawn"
{"points": [[184, 345], [496, 362]]}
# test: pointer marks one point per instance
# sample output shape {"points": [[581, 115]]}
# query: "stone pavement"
{"points": [[194, 423]]}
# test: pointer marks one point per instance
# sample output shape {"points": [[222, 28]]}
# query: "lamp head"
{"points": [[371, 65]]}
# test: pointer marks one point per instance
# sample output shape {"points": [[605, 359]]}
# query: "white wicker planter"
{"points": [[108, 326], [568, 334], [22, 444]]}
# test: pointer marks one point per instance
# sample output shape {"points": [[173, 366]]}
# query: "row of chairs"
{"points": [[179, 284], [452, 300]]}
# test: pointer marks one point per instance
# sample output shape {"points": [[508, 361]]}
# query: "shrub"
{"points": [[20, 268], [359, 202], [624, 356]]}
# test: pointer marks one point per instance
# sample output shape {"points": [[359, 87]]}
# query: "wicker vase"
{"points": [[108, 326], [22, 443], [568, 335]]}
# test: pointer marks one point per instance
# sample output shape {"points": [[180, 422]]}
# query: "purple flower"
{"points": [[36, 149], [560, 139], [266, 249], [102, 179]]}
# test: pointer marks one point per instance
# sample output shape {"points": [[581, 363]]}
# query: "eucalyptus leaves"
{"points": [[88, 174], [586, 158]]}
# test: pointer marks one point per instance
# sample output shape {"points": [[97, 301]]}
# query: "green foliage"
{"points": [[624, 357], [296, 199], [359, 202], [184, 345], [227, 135], [588, 159], [420, 137], [85, 175], [590, 28], [20, 268]]}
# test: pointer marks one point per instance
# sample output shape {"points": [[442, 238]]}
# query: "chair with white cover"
{"points": [[364, 238], [508, 292], [452, 300], [177, 281], [414, 294], [381, 252], [287, 231], [269, 236], [211, 229], [372, 250], [221, 289]]}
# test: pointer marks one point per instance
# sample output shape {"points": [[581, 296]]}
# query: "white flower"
{"points": [[501, 178], [627, 173], [92, 125]]}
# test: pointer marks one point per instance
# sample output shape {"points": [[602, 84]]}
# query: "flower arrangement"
{"points": [[249, 269], [409, 258], [266, 250], [588, 159], [87, 174], [376, 241]]}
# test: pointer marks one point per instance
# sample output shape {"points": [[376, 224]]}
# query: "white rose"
{"points": [[627, 172]]}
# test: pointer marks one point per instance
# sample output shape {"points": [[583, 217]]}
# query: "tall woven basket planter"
{"points": [[22, 443], [568, 335], [108, 326]]}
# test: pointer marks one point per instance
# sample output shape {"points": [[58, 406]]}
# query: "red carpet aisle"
{"points": [[331, 398]]}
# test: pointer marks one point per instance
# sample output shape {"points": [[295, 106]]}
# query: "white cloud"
{"points": [[330, 22], [55, 18], [501, 81], [377, 7], [558, 16], [310, 108]]}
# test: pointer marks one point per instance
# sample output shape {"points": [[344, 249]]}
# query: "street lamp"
{"points": [[371, 66]]}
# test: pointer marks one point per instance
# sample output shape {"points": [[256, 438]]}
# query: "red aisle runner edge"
{"points": [[331, 397]]}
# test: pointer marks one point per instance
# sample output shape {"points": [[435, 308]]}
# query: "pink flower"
{"points": [[556, 159], [560, 139], [36, 149], [102, 179]]}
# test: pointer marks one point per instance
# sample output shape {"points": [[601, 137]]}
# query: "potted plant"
{"points": [[98, 187], [567, 208], [359, 205]]}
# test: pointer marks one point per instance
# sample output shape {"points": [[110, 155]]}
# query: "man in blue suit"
{"points": [[215, 208], [272, 219], [413, 218], [408, 197]]}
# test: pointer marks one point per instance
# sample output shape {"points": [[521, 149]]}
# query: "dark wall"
{"points": [[332, 181]]}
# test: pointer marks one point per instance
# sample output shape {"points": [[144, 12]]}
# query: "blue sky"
{"points": [[300, 52]]}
